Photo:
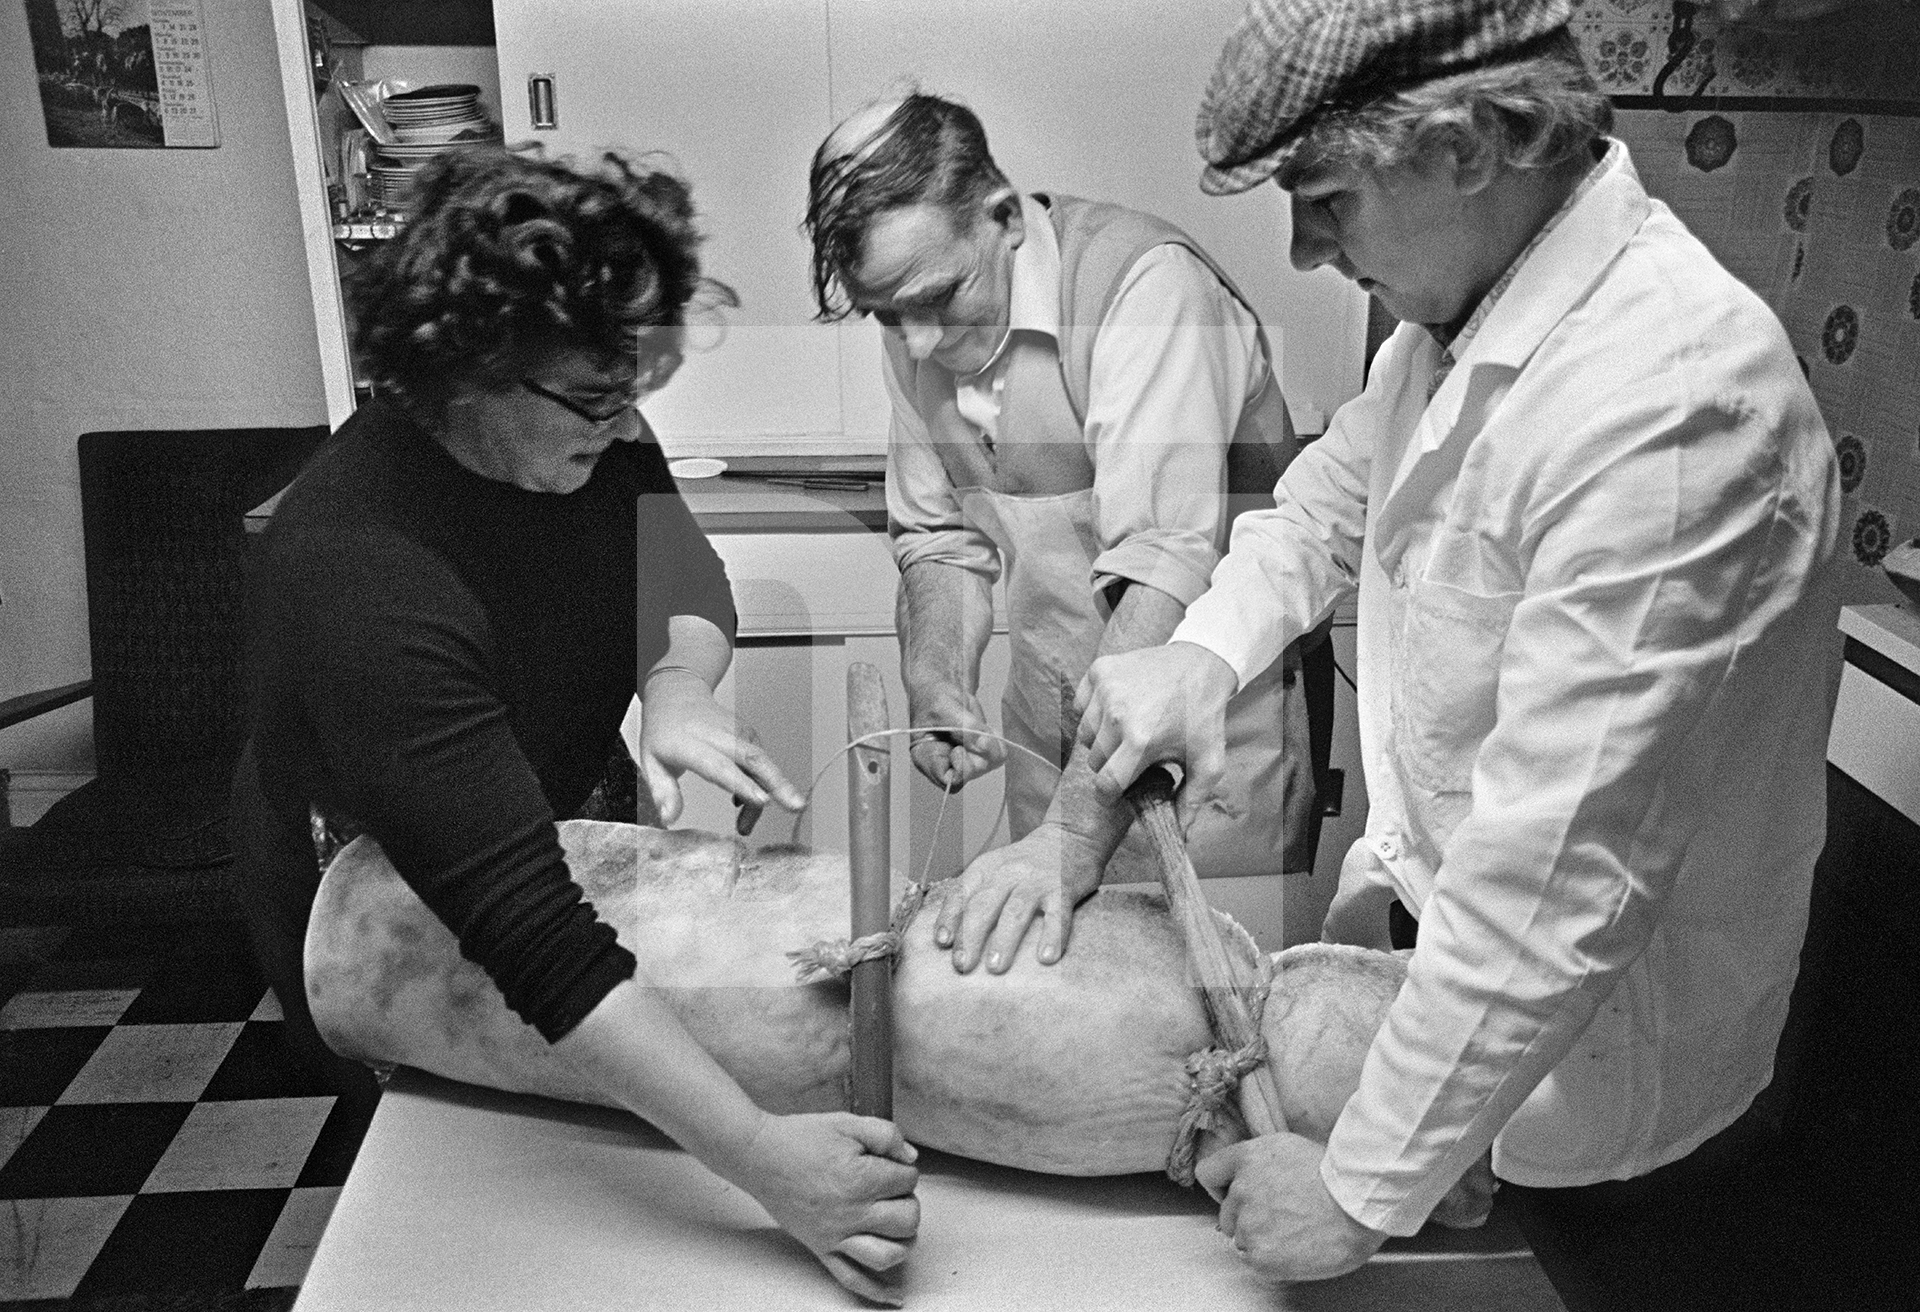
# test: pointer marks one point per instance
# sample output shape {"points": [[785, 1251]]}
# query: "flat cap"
{"points": [[1287, 60]]}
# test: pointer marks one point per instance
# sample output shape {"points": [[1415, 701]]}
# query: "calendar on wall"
{"points": [[123, 74]]}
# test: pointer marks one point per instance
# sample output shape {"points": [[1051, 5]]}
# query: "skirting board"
{"points": [[25, 795]]}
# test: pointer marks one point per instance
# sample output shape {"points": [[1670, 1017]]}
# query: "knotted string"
{"points": [[1213, 1077], [834, 958]]}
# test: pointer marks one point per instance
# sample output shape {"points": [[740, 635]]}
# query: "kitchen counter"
{"points": [[785, 496], [467, 1199], [820, 494]]}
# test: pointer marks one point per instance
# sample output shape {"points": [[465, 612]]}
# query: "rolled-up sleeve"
{"points": [[925, 520], [1175, 362]]}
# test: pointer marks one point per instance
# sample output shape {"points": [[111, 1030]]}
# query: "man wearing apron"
{"points": [[1082, 400]]}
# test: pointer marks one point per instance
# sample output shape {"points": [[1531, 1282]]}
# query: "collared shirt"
{"points": [[1177, 358], [1454, 345], [1595, 636]]}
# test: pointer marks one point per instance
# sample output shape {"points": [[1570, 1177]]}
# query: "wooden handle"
{"points": [[1225, 982], [869, 788]]}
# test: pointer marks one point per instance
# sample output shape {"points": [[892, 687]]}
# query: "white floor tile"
{"points": [[152, 1063], [289, 1249], [16, 1123], [47, 1244], [254, 1143], [39, 1011]]}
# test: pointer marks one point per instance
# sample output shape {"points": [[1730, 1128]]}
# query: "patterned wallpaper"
{"points": [[1870, 51], [1820, 214], [1817, 210]]}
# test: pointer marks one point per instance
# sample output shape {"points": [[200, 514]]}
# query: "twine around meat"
{"points": [[835, 958], [1213, 1078]]}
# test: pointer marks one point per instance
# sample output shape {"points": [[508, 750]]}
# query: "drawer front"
{"points": [[1876, 739]]}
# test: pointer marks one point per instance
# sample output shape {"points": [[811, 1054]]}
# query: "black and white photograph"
{"points": [[95, 64], [1050, 655]]}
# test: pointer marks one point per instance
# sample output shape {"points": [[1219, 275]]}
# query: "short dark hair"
{"points": [[928, 151], [507, 253]]}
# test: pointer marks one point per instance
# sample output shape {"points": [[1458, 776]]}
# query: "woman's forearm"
{"points": [[695, 644], [634, 1049]]}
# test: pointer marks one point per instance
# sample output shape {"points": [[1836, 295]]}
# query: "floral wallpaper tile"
{"points": [[1871, 52], [1820, 214]]}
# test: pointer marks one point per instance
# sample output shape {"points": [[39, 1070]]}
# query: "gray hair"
{"points": [[1534, 113]]}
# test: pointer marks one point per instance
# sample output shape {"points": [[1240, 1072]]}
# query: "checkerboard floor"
{"points": [[157, 1148]]}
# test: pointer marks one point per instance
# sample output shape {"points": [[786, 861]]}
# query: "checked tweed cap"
{"points": [[1289, 60]]}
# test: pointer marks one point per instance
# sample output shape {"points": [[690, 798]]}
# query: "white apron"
{"points": [[1048, 545]]}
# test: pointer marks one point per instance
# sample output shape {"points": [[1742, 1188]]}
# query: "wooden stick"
{"points": [[1226, 983], [869, 779]]}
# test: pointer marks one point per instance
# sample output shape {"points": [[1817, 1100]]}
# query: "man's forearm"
{"points": [[945, 616], [1144, 617]]}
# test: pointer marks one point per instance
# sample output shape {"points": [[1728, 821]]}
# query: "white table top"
{"points": [[468, 1199], [1890, 628]]}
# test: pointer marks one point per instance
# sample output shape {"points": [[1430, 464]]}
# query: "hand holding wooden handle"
{"points": [[1226, 983]]}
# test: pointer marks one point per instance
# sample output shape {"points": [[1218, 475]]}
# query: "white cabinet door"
{"points": [[735, 94], [1089, 99]]}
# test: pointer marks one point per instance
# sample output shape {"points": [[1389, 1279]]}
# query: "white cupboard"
{"points": [[1087, 97]]}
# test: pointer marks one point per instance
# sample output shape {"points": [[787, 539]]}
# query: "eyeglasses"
{"points": [[611, 405]]}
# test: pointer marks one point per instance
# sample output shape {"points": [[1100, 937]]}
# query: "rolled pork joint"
{"points": [[1079, 1068]]}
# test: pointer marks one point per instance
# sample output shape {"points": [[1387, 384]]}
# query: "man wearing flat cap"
{"points": [[1587, 505], [1081, 400]]}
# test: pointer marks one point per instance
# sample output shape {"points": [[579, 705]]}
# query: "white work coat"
{"points": [[1595, 629]]}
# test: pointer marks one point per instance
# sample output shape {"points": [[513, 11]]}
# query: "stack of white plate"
{"points": [[425, 122]]}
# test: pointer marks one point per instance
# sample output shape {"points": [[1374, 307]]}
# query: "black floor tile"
{"points": [[13, 978], [193, 989], [339, 1140], [259, 1066], [204, 1240], [36, 1066], [104, 942], [81, 1152], [212, 938], [23, 943], [93, 973], [194, 1300]]}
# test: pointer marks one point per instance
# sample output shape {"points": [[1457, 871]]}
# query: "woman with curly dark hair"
{"points": [[452, 611]]}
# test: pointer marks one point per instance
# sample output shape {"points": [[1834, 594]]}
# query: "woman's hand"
{"points": [[840, 1184], [682, 728]]}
